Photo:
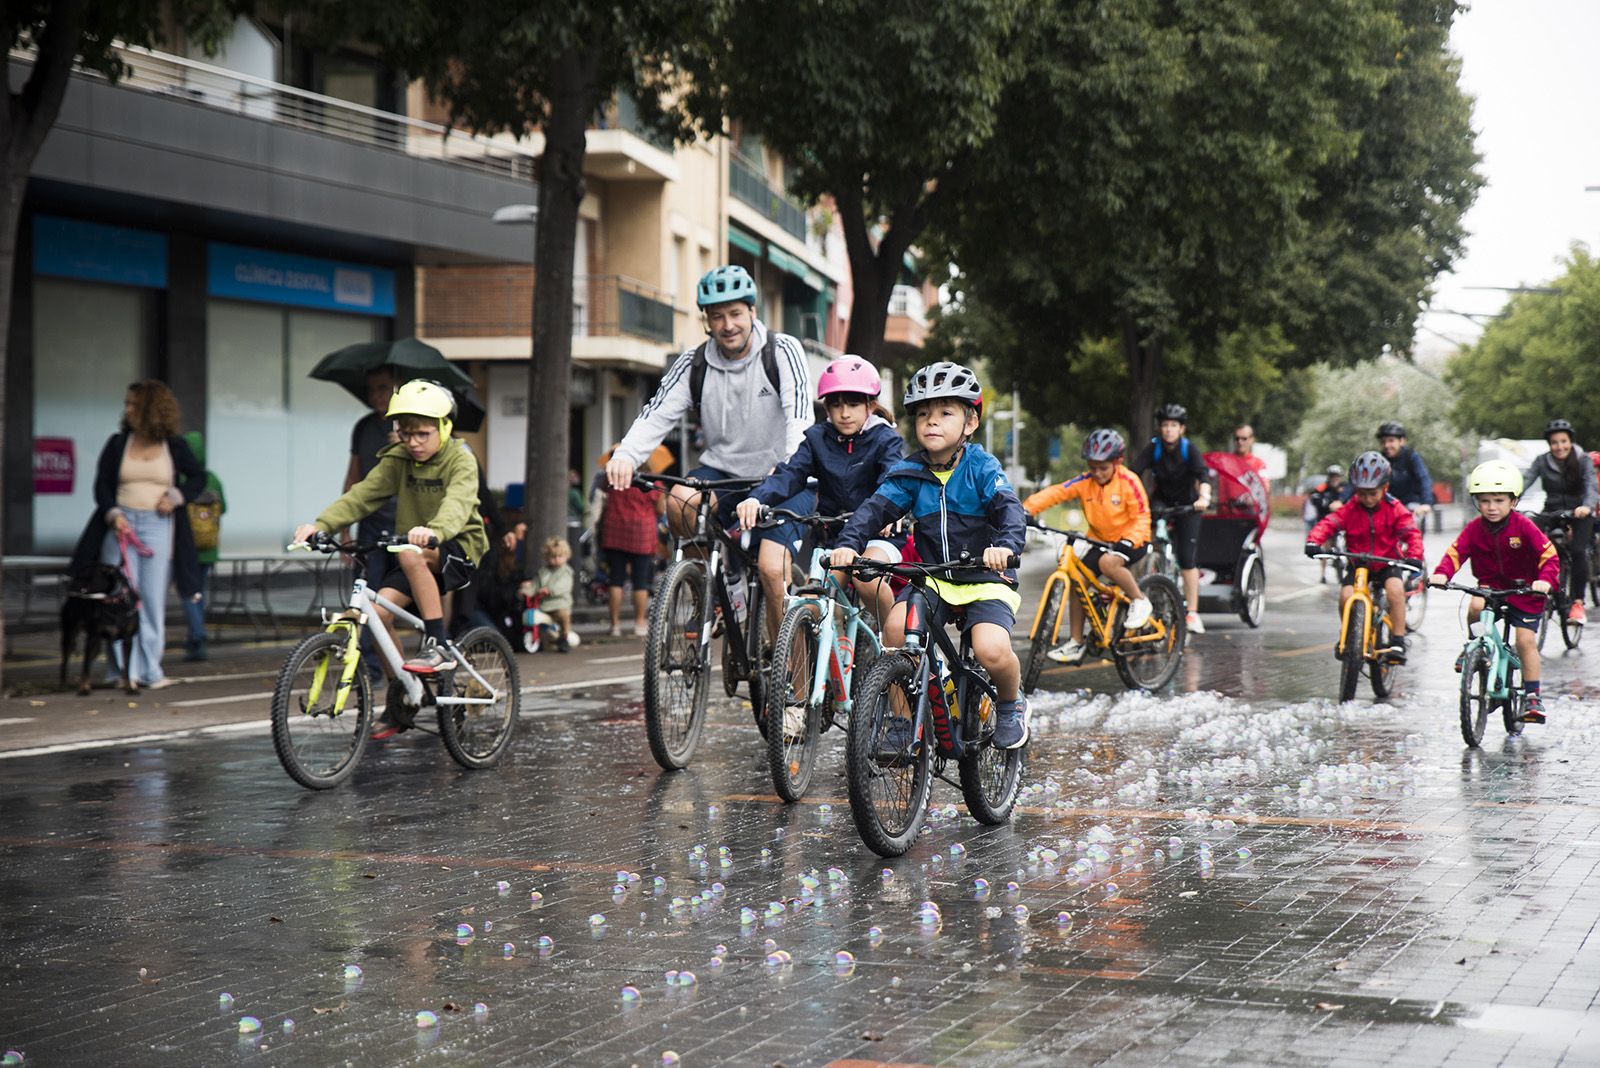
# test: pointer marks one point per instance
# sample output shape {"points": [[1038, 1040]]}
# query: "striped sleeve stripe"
{"points": [[1549, 551], [797, 370], [675, 373]]}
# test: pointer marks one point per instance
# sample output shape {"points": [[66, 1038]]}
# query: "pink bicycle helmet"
{"points": [[849, 374]]}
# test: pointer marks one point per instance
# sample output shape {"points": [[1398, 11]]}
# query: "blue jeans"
{"points": [[150, 574], [194, 613]]}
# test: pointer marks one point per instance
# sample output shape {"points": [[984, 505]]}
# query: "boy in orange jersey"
{"points": [[1117, 510]]}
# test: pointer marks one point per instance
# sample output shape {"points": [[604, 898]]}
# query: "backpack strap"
{"points": [[697, 370], [1157, 443]]}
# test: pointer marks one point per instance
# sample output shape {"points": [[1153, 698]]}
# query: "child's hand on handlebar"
{"points": [[304, 533], [841, 557], [1540, 586], [749, 512], [996, 558], [1438, 580], [420, 536]]}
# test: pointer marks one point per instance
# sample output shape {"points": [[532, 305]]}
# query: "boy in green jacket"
{"points": [[434, 481]]}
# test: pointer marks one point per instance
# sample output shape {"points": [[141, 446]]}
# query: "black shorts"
{"points": [[965, 615], [1375, 579], [455, 571], [1091, 558], [1183, 534], [639, 567]]}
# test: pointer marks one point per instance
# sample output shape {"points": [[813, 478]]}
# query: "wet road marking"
{"points": [[1295, 595], [17, 719], [1303, 650], [138, 739], [616, 659], [232, 699]]}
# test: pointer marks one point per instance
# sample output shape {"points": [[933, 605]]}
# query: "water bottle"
{"points": [[948, 684], [737, 596]]}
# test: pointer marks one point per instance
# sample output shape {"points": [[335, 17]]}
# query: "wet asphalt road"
{"points": [[1376, 892]]}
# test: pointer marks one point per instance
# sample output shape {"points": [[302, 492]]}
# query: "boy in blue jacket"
{"points": [[962, 502]]}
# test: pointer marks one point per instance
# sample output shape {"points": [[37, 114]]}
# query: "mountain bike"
{"points": [[1364, 645], [1163, 560], [1557, 603], [920, 707], [1491, 671], [322, 702], [694, 601], [1146, 659], [825, 643]]}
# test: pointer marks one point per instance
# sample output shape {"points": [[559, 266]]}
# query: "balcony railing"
{"points": [[907, 301], [603, 305], [749, 185], [225, 90]]}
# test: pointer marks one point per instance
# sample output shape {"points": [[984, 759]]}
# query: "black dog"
{"points": [[100, 603]]}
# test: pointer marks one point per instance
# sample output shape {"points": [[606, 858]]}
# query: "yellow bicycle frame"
{"points": [[1087, 585], [1361, 590], [350, 622]]}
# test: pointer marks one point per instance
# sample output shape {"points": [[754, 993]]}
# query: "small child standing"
{"points": [[553, 586]]}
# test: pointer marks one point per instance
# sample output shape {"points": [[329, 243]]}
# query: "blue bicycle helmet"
{"points": [[1104, 445], [721, 285]]}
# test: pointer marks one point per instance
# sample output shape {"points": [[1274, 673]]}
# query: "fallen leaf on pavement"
{"points": [[1340, 965], [1328, 1006], [274, 919], [320, 1011], [871, 1036]]}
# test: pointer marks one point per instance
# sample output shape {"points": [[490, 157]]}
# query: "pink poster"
{"points": [[54, 465]]}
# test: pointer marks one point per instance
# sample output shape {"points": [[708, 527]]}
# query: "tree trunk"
{"points": [[573, 98], [25, 119], [1144, 357], [873, 270]]}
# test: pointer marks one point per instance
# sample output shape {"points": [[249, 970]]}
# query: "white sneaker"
{"points": [[1068, 652], [1192, 621], [616, 632], [1138, 614]]}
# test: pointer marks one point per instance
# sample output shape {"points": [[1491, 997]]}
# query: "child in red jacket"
{"points": [[1505, 548], [1376, 524]]}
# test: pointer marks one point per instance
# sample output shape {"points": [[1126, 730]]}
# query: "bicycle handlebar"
{"points": [[1073, 535], [1496, 596], [1369, 558], [776, 517], [324, 542], [651, 481], [1163, 511], [867, 567]]}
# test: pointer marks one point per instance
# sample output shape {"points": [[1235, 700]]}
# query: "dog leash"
{"points": [[127, 539]]}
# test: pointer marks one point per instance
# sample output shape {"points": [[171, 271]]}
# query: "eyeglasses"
{"points": [[1243, 437], [415, 435]]}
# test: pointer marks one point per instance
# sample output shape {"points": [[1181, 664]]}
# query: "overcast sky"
{"points": [[1532, 67]]}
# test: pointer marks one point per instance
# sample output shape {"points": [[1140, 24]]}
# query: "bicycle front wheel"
{"points": [[676, 674], [1151, 665], [1474, 695], [792, 724], [889, 758], [1038, 651], [318, 743], [1355, 634], [479, 735]]}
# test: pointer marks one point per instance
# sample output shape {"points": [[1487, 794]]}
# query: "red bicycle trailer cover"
{"points": [[1242, 491]]}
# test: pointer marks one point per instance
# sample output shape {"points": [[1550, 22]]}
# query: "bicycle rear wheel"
{"points": [[1151, 665], [761, 657], [1474, 695], [1416, 603], [889, 782], [318, 746], [676, 675], [1253, 592], [1511, 705], [477, 736], [1544, 621], [1038, 651], [792, 725], [1381, 670], [1355, 632], [1571, 632], [990, 778]]}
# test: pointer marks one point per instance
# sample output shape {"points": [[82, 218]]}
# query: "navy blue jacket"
{"points": [[847, 470], [977, 508]]}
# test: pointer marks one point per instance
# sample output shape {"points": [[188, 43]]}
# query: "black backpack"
{"points": [[697, 372]]}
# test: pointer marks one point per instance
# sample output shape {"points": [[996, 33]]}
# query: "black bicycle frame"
{"points": [[920, 628]]}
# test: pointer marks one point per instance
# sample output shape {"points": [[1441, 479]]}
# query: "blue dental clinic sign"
{"points": [[70, 248], [279, 278]]}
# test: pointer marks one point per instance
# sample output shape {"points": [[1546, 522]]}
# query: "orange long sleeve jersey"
{"points": [[1116, 511]]}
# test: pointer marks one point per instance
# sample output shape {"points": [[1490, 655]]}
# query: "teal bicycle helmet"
{"points": [[720, 285]]}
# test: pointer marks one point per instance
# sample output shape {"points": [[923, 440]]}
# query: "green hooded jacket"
{"points": [[440, 493], [197, 445]]}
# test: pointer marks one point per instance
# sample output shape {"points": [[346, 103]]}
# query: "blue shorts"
{"points": [[788, 534], [965, 615], [1519, 618]]}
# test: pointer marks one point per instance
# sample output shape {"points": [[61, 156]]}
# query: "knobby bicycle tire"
{"points": [[1150, 666], [1355, 632], [1382, 672], [477, 736], [792, 758], [889, 683], [1474, 695], [343, 737], [1253, 593], [1039, 649], [676, 673], [991, 778]]}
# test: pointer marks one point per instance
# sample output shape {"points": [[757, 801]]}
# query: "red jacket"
{"points": [[1387, 530], [1515, 551]]}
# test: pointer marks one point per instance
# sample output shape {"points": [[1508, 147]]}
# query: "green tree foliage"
{"points": [[877, 104], [546, 66], [1352, 401], [1538, 362]]}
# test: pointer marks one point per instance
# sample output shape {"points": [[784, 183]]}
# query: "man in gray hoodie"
{"points": [[753, 391]]}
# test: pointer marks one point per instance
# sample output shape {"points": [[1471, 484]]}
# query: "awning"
{"points": [[793, 265], [739, 239]]}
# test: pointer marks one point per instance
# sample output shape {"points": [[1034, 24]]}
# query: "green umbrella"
{"points": [[410, 359]]}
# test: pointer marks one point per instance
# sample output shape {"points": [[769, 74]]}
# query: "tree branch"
{"points": [[33, 111]]}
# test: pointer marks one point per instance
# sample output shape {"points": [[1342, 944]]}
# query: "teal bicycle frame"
{"points": [[834, 672], [1490, 667]]}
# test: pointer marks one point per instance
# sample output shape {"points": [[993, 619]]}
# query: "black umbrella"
{"points": [[410, 359]]}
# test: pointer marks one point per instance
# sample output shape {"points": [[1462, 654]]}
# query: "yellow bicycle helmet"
{"points": [[1495, 476], [422, 397]]}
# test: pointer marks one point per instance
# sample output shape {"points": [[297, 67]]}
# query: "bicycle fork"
{"points": [[352, 661]]}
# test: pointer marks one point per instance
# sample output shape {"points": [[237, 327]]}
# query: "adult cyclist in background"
{"points": [[1567, 475], [751, 388], [1410, 483], [1179, 477]]}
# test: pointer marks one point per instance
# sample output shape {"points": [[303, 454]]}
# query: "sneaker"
{"points": [[1461, 659], [385, 727], [1533, 708], [1577, 613], [1192, 622], [1011, 725], [896, 738], [1399, 647], [431, 659], [1138, 614], [641, 630], [160, 684], [616, 632], [1068, 652], [794, 722]]}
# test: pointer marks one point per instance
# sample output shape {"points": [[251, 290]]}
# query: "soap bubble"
{"points": [[874, 935], [766, 854], [957, 849], [687, 979], [502, 888], [1013, 889], [836, 875], [288, 1027], [488, 925], [844, 957], [747, 916], [718, 889], [352, 972], [824, 810], [480, 1010], [668, 1058], [1111, 889], [464, 933], [630, 993], [11, 1056], [546, 943], [1063, 919], [672, 977], [427, 1019], [508, 950], [249, 1025], [1020, 912], [1243, 853], [224, 1001], [535, 899], [720, 950], [886, 874], [597, 920], [714, 963], [981, 885]]}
